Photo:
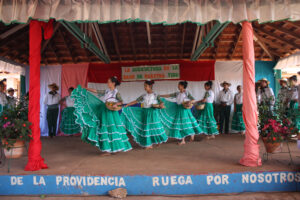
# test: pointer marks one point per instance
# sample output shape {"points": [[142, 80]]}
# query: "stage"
{"points": [[69, 155], [199, 167]]}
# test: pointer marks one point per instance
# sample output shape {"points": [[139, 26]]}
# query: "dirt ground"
{"points": [[243, 196], [69, 155]]}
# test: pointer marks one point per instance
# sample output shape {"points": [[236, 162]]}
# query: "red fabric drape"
{"points": [[189, 70], [35, 161], [73, 75], [251, 148]]}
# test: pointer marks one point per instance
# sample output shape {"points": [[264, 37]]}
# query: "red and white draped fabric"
{"points": [[163, 11], [196, 73], [35, 161], [251, 156]]}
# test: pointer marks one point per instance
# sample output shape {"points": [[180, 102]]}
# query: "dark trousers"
{"points": [[224, 116], [52, 115]]}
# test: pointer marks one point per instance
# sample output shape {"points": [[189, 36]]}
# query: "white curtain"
{"points": [[11, 68], [290, 63], [49, 74], [232, 72], [155, 11]]}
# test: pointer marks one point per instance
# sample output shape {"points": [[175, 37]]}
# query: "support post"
{"points": [[251, 156]]}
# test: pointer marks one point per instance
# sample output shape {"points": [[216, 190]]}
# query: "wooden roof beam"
{"points": [[12, 31], [47, 41], [283, 30], [99, 38], [195, 40], [209, 39], [148, 28], [293, 24], [235, 44], [67, 46], [182, 41], [165, 42], [112, 27], [132, 41], [257, 28], [262, 45]]}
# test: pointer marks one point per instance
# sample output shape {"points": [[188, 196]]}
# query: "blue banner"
{"points": [[149, 185]]}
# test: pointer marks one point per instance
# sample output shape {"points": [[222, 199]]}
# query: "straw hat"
{"points": [[283, 80], [265, 80], [53, 85], [11, 90], [225, 82]]}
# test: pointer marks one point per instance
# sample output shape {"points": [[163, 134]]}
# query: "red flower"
{"points": [[274, 138], [291, 128], [5, 118], [24, 125], [21, 136]]}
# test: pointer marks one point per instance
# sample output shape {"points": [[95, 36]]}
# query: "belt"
{"points": [[54, 106]]}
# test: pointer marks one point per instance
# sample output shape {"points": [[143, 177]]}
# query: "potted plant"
{"points": [[275, 126], [14, 129]]}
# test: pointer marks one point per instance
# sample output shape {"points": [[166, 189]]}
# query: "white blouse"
{"points": [[266, 95], [51, 99], [148, 100], [238, 98], [110, 95], [182, 97], [211, 96], [3, 99], [294, 93], [69, 102], [283, 94]]}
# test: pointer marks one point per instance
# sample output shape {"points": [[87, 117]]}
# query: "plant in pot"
{"points": [[275, 126], [14, 129]]}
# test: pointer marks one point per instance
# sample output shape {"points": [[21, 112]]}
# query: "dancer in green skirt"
{"points": [[145, 124], [68, 125], [177, 118], [205, 117], [238, 124], [294, 107], [3, 98], [99, 120]]}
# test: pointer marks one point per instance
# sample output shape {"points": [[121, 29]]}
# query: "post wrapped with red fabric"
{"points": [[35, 161], [251, 156]]}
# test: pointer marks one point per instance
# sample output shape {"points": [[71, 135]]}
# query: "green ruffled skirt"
{"points": [[206, 120], [145, 125], [1, 109], [100, 127], [178, 121], [237, 120], [68, 124], [295, 114]]}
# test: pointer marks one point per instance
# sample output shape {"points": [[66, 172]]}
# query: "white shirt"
{"points": [[148, 100], [238, 98], [51, 99], [12, 101], [211, 96], [283, 94], [226, 97], [3, 99], [69, 102], [294, 93], [266, 95]]}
